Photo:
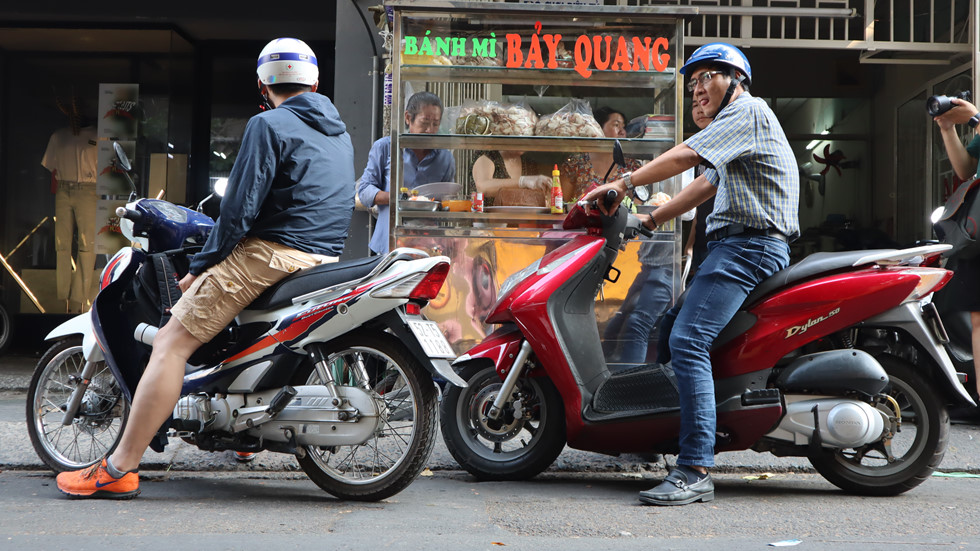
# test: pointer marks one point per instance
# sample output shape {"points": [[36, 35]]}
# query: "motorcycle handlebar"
{"points": [[644, 231], [610, 198], [123, 212]]}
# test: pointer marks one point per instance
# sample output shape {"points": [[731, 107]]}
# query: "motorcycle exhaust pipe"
{"points": [[145, 333]]}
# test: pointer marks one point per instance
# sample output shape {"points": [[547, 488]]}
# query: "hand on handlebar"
{"points": [[598, 194], [644, 229]]}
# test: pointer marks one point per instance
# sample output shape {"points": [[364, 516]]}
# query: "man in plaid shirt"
{"points": [[754, 178]]}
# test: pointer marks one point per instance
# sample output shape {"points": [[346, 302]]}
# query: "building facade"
{"points": [[847, 78]]}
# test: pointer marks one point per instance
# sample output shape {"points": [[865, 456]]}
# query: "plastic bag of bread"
{"points": [[486, 117], [475, 117], [514, 119], [575, 119], [658, 199]]}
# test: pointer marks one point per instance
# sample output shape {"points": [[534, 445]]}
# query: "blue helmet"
{"points": [[720, 53]]}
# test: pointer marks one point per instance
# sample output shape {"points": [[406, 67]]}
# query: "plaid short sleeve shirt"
{"points": [[753, 168]]}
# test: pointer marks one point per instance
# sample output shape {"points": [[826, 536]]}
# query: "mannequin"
{"points": [[72, 158]]}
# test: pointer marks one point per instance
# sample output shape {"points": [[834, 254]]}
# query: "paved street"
{"points": [[586, 501], [449, 511]]}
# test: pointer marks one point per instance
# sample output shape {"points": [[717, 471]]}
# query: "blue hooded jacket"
{"points": [[292, 183]]}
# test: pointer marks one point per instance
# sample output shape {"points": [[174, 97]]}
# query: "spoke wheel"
{"points": [[101, 416], [394, 456], [522, 443], [916, 449], [5, 329]]}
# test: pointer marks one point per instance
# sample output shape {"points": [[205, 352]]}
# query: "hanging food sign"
{"points": [[591, 52]]}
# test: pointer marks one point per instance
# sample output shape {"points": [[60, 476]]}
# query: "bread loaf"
{"points": [[515, 197]]}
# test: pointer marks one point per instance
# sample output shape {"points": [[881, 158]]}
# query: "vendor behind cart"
{"points": [[423, 114]]}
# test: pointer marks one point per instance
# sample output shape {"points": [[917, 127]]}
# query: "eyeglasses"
{"points": [[703, 79]]}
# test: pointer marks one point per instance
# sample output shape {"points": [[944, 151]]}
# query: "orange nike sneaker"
{"points": [[95, 481]]}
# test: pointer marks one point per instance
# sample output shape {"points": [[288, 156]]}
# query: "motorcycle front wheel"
{"points": [[523, 442], [5, 329], [389, 461], [916, 449], [98, 424]]}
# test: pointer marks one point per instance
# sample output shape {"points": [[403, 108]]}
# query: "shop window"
{"points": [[57, 83]]}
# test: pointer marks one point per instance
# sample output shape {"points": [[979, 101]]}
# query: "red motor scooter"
{"points": [[788, 377]]}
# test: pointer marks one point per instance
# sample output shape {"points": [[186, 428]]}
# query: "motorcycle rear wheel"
{"points": [[98, 425], [393, 458], [918, 447], [509, 448]]}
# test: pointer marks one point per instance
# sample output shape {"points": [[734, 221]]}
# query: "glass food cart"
{"points": [[517, 58]]}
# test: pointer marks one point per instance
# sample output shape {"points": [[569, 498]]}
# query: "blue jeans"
{"points": [[653, 296], [733, 268]]}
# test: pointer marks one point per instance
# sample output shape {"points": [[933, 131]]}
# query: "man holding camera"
{"points": [[963, 159], [963, 286]]}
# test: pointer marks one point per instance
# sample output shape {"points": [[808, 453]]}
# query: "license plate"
{"points": [[433, 342]]}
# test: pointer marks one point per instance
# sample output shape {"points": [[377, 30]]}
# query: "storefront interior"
{"points": [[871, 164], [192, 94]]}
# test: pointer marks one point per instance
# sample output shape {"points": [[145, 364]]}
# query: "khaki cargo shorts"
{"points": [[225, 289]]}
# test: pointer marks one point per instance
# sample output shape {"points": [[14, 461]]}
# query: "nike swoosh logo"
{"points": [[101, 485]]}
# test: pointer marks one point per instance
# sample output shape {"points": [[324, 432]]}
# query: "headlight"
{"points": [[518, 277]]}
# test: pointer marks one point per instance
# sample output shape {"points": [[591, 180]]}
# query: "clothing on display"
{"points": [[72, 159]]}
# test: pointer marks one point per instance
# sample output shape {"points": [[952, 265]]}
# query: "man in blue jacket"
{"points": [[288, 206]]}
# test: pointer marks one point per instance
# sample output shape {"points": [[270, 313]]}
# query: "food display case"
{"points": [[534, 60]]}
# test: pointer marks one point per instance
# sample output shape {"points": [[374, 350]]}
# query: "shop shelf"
{"points": [[555, 77], [637, 147]]}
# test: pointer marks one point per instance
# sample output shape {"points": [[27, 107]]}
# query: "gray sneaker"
{"points": [[675, 490]]}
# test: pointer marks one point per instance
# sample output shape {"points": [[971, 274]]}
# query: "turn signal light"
{"points": [[429, 287], [930, 281]]}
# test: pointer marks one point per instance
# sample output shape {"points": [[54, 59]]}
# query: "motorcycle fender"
{"points": [[79, 325], [909, 318], [500, 348], [395, 321]]}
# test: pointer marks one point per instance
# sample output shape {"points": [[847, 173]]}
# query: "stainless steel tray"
{"points": [[418, 205], [519, 210]]}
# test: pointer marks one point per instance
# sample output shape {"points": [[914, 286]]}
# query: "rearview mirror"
{"points": [[122, 157], [618, 156], [618, 159]]}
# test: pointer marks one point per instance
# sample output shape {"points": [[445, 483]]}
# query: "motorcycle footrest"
{"points": [[761, 397], [186, 425]]}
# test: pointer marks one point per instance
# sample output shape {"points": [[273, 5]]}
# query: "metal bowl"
{"points": [[440, 190], [419, 205]]}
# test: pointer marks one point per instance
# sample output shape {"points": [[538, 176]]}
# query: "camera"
{"points": [[937, 105]]}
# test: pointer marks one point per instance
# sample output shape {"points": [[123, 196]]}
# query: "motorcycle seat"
{"points": [[813, 265], [312, 279]]}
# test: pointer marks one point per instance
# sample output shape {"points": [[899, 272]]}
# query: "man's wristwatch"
{"points": [[972, 123], [628, 180]]}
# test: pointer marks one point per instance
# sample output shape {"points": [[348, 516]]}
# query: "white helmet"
{"points": [[287, 60]]}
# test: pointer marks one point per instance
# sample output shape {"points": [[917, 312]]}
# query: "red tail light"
{"points": [[429, 287]]}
